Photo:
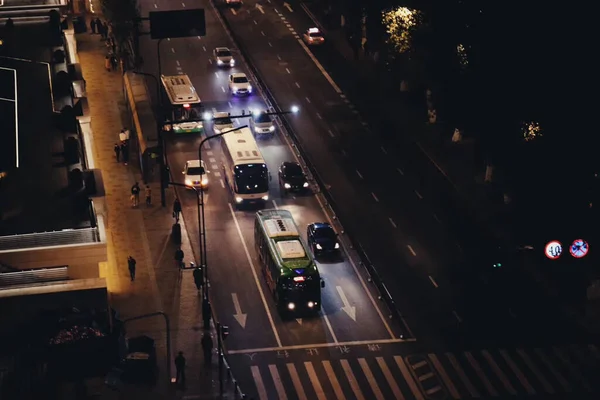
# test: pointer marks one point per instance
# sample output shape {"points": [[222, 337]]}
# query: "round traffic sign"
{"points": [[553, 249], [579, 248]]}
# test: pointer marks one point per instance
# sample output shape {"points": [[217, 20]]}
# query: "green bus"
{"points": [[286, 263]]}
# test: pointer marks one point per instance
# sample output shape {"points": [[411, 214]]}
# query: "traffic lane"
{"points": [[235, 296]]}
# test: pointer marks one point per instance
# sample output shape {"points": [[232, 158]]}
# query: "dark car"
{"points": [[322, 239], [292, 178]]}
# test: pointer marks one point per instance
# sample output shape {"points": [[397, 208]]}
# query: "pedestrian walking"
{"points": [[180, 368], [100, 29], [125, 152], [105, 30], [98, 25], [179, 258], [117, 150], [148, 193], [198, 277], [176, 209], [123, 136], [114, 63], [131, 264], [93, 26], [127, 132], [207, 347], [107, 63], [135, 192]]}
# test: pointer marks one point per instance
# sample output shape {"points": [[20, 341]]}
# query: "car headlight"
{"points": [[265, 198], [311, 304], [232, 62], [271, 129], [176, 128], [204, 182], [319, 247], [291, 306], [238, 199], [219, 62], [217, 130], [188, 182], [337, 245], [249, 88], [287, 185], [235, 90], [305, 184]]}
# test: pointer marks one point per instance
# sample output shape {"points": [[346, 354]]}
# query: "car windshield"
{"points": [[223, 121], [262, 118], [223, 53], [240, 79], [293, 171], [315, 35], [195, 171], [251, 178], [325, 233]]}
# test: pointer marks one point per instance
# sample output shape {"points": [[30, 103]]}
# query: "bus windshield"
{"points": [[251, 178], [298, 289], [181, 113]]}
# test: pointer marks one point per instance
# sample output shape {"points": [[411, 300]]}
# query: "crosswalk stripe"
{"points": [[461, 374], [409, 378], [334, 382], [296, 381], [370, 378], [312, 375], [519, 374], [492, 363], [572, 368], [352, 380], [278, 384], [557, 375], [260, 386], [389, 378], [447, 381], [547, 387], [480, 374]]}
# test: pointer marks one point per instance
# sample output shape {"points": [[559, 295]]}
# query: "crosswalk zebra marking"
{"points": [[312, 375], [553, 370], [296, 381], [463, 377], [572, 369], [370, 378], [445, 378], [547, 387], [519, 374], [260, 386], [352, 380], [390, 379], [492, 363], [278, 384], [334, 382], [480, 374], [409, 379]]}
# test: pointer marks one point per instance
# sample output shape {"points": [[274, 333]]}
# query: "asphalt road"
{"points": [[412, 246]]}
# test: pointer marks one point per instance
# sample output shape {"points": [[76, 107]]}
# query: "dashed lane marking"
{"points": [[411, 250], [392, 222], [433, 282], [297, 85], [418, 194], [359, 174], [374, 197]]}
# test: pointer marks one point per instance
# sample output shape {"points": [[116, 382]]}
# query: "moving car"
{"points": [[222, 122], [196, 174], [239, 84], [313, 36], [223, 57], [261, 123], [322, 239], [292, 178], [233, 2]]}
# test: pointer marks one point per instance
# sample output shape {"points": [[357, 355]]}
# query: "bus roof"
{"points": [[242, 147], [285, 242], [179, 89]]}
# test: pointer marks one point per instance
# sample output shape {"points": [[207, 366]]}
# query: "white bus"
{"points": [[184, 102], [244, 168]]}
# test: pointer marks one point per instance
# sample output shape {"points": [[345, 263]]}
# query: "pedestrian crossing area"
{"points": [[555, 372]]}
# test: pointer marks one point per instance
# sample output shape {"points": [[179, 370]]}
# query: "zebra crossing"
{"points": [[486, 373]]}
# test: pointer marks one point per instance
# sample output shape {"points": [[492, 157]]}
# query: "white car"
{"points": [[261, 123], [196, 175], [222, 122], [223, 57], [239, 84], [313, 36]]}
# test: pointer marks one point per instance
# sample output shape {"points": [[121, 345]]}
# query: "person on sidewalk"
{"points": [[107, 63], [114, 63], [98, 25], [176, 210], [135, 192], [125, 152], [105, 30], [123, 136], [179, 258], [199, 277], [148, 193], [207, 347], [93, 26], [180, 369], [117, 150], [131, 265]]}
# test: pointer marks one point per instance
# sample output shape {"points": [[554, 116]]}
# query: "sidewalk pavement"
{"points": [[144, 233], [459, 162]]}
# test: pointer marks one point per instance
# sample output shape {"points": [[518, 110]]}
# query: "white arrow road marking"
{"points": [[299, 320], [239, 316], [260, 8], [348, 309]]}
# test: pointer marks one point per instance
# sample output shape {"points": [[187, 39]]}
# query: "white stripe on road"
{"points": [[352, 380], [312, 375], [296, 381], [371, 379], [461, 374], [411, 250], [337, 388], [492, 363], [392, 222], [260, 386], [277, 381], [519, 374], [447, 381], [390, 378]]}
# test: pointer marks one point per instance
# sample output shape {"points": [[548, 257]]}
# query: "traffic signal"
{"points": [[224, 331]]}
